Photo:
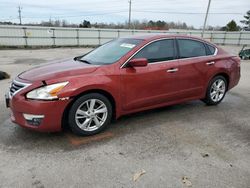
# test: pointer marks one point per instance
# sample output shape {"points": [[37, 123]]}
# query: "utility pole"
{"points": [[129, 16], [20, 14], [50, 21], [205, 21]]}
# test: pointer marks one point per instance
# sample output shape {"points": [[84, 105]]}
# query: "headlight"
{"points": [[48, 92]]}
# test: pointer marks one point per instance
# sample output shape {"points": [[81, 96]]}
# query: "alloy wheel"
{"points": [[91, 115], [217, 90]]}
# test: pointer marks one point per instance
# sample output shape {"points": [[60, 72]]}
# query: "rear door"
{"points": [[154, 84], [195, 65]]}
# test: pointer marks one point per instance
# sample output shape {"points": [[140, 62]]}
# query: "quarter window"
{"points": [[191, 48], [162, 50], [211, 50]]}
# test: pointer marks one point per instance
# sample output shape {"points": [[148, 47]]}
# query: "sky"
{"points": [[74, 11]]}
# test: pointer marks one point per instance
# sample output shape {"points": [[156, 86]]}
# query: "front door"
{"points": [[154, 84]]}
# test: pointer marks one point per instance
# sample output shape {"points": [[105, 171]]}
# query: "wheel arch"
{"points": [[225, 75], [107, 94]]}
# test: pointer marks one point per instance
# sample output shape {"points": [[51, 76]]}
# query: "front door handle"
{"points": [[210, 63], [172, 70]]}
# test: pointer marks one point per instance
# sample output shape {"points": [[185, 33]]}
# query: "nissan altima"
{"points": [[123, 76]]}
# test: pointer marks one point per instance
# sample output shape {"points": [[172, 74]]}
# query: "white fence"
{"points": [[57, 36]]}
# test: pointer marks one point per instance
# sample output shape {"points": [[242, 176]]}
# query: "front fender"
{"points": [[108, 84]]}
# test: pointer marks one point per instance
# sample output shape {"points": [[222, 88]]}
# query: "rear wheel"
{"points": [[90, 114], [216, 90]]}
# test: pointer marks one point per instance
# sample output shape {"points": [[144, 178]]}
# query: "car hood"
{"points": [[57, 69]]}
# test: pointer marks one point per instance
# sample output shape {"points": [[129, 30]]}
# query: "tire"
{"points": [[87, 111], [216, 90]]}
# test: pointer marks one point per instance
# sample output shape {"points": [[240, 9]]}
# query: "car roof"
{"points": [[150, 37]]}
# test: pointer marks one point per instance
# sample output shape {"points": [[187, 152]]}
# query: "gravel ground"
{"points": [[176, 146]]}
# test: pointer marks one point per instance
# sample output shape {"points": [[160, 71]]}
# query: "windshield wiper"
{"points": [[81, 60]]}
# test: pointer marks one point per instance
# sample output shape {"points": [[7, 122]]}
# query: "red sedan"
{"points": [[123, 76]]}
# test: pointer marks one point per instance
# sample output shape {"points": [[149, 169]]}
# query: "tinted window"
{"points": [[211, 50], [191, 48], [162, 50]]}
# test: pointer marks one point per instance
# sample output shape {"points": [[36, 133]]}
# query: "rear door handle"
{"points": [[172, 70], [210, 63]]}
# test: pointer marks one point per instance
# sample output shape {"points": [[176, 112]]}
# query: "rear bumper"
{"points": [[50, 113]]}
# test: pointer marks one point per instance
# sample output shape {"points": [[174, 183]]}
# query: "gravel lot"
{"points": [[205, 146]]}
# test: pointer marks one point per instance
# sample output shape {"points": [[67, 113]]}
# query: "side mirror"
{"points": [[139, 62]]}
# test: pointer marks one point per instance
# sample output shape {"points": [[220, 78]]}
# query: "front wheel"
{"points": [[216, 90], [90, 114]]}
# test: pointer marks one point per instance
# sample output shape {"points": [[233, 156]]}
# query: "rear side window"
{"points": [[211, 49], [191, 48], [162, 50]]}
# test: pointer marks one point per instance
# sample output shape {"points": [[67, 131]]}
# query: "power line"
{"points": [[123, 11], [20, 17], [66, 15], [169, 12], [95, 14]]}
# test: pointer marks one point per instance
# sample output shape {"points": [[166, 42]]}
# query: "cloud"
{"points": [[117, 10]]}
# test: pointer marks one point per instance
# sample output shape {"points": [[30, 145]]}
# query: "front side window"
{"points": [[191, 48], [111, 52], [162, 50]]}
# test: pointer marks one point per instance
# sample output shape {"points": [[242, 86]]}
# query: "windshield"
{"points": [[110, 52]]}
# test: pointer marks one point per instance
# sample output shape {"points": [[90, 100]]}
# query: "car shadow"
{"points": [[15, 138]]}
